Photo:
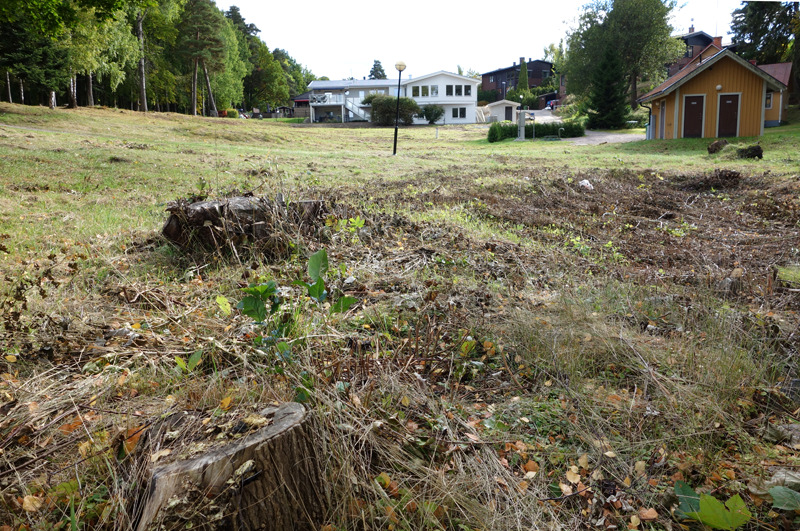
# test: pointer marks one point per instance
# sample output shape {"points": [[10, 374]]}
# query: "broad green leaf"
{"points": [[317, 291], [343, 304], [715, 515], [224, 304], [785, 498], [318, 265], [689, 500], [194, 360], [179, 361], [254, 308]]}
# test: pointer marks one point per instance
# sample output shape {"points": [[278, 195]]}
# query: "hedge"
{"points": [[500, 131]]}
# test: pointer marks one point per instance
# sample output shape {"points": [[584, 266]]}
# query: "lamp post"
{"points": [[504, 90], [400, 66]]}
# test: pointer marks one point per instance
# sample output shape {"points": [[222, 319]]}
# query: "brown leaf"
{"points": [[531, 466], [225, 404], [132, 436], [32, 504], [159, 454], [648, 514], [69, 427]]}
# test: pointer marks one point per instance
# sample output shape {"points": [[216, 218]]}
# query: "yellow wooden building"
{"points": [[718, 94]]}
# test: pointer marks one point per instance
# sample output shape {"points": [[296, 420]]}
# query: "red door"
{"points": [[728, 115], [693, 117]]}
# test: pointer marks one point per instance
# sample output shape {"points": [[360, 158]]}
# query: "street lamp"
{"points": [[400, 66], [504, 90]]}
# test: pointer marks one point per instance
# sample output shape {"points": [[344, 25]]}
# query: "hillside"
{"points": [[523, 351]]}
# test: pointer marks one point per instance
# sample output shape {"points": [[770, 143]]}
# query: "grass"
{"points": [[517, 338]]}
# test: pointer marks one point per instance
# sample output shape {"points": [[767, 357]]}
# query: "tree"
{"points": [[607, 99], [764, 31], [377, 71], [640, 31], [522, 82], [201, 41]]}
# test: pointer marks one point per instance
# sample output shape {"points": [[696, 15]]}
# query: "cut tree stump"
{"points": [[271, 479], [236, 220]]}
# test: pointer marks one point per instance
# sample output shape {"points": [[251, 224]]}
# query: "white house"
{"points": [[503, 110], [341, 100]]}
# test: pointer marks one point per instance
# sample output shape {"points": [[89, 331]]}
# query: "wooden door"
{"points": [[509, 115], [728, 115], [693, 117]]}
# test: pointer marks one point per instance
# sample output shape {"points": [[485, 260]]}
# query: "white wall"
{"points": [[441, 81]]}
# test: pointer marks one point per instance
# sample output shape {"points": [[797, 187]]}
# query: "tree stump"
{"points": [[235, 221], [270, 479]]}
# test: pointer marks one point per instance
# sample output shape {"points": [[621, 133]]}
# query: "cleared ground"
{"points": [[526, 351]]}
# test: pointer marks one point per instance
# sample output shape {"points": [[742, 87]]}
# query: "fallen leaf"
{"points": [[648, 514], [634, 522], [610, 453], [255, 421], [566, 490], [69, 427], [522, 486], [640, 467], [473, 437], [411, 507], [132, 438], [11, 359], [159, 454], [583, 461], [572, 477], [225, 404], [405, 401], [531, 466], [32, 504]]}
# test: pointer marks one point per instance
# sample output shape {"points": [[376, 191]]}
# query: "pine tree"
{"points": [[377, 71], [202, 43], [608, 96]]}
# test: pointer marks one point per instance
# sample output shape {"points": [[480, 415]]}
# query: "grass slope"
{"points": [[524, 353]]}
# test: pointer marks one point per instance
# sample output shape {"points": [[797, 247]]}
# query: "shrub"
{"points": [[432, 113], [384, 109], [233, 113], [500, 131]]}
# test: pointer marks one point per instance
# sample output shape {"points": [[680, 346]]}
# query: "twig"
{"points": [[564, 497]]}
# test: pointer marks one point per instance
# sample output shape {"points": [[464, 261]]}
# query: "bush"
{"points": [[384, 109], [432, 113], [500, 131], [233, 113]]}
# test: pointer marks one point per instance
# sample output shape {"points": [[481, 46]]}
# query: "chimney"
{"points": [[514, 63], [718, 42], [691, 28], [753, 62]]}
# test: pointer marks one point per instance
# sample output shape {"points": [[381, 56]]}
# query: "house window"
{"points": [[467, 90], [545, 74], [689, 51], [491, 79], [448, 90], [425, 92], [455, 112], [434, 90], [415, 92], [459, 112], [768, 102], [458, 90]]}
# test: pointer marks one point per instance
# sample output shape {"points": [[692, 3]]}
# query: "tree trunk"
{"points": [[270, 479], [21, 92], [73, 100], [213, 112], [194, 88], [52, 99], [634, 94], [89, 91], [142, 86], [8, 86]]}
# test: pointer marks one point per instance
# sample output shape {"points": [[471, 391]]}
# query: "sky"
{"points": [[343, 39]]}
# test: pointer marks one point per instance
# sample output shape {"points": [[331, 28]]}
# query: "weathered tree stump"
{"points": [[716, 146], [751, 152], [233, 221], [271, 479]]}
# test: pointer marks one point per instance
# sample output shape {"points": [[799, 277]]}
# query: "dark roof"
{"points": [[687, 36], [780, 71], [302, 97], [516, 66]]}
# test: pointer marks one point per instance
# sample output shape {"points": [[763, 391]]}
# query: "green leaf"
{"points": [[179, 361], [194, 360], [785, 498], [687, 497], [318, 265], [224, 304], [343, 304], [715, 515], [254, 308]]}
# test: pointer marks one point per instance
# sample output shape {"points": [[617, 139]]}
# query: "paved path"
{"points": [[594, 138]]}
